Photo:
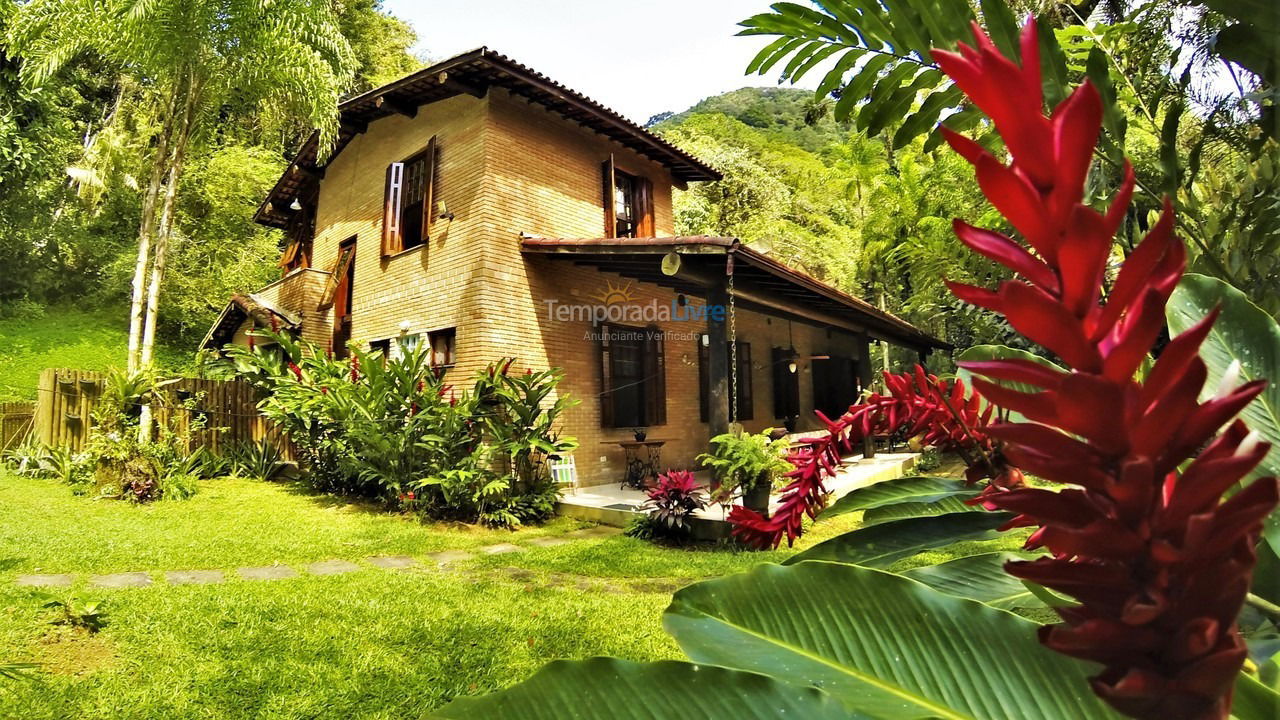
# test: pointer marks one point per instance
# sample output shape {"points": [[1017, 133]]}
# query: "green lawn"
{"points": [[370, 644], [71, 338]]}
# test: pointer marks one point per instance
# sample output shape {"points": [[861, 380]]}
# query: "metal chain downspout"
{"points": [[733, 348]]}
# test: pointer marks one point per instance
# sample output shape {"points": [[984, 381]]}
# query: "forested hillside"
{"points": [[828, 200], [73, 167]]}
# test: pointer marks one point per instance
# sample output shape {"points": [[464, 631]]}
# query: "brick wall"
{"points": [[507, 167]]}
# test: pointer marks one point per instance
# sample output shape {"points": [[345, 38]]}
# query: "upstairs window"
{"points": [[628, 203], [409, 201]]}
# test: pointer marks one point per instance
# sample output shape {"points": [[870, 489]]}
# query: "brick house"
{"points": [[481, 208]]}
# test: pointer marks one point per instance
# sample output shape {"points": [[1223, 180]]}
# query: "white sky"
{"points": [[639, 58]]}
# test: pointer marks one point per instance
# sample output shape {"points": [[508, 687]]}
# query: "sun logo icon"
{"points": [[614, 294]]}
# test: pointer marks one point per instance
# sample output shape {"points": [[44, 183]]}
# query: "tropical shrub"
{"points": [[387, 427], [1137, 552], [669, 506], [262, 460]]}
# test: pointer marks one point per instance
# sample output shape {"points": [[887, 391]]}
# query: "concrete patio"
{"points": [[616, 506]]}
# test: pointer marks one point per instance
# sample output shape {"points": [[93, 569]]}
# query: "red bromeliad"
{"points": [[919, 404], [1158, 563]]}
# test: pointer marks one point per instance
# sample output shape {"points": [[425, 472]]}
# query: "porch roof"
{"points": [[241, 308], [761, 282]]}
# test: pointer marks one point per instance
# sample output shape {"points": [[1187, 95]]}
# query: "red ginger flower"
{"points": [[1158, 563], [919, 403], [297, 371], [355, 368]]}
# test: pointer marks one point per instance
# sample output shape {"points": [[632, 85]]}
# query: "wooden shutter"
{"points": [[338, 277], [606, 378], [704, 384], [655, 381], [391, 239], [290, 254], [746, 409], [644, 207], [428, 191], [610, 208]]}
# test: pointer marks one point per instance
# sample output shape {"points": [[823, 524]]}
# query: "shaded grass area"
{"points": [[369, 644], [72, 338], [229, 523]]}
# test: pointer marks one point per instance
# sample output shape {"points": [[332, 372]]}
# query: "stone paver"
{"points": [[392, 562], [599, 531], [269, 572], [332, 567], [45, 580], [548, 541], [194, 577], [445, 557], [121, 580], [500, 549]]}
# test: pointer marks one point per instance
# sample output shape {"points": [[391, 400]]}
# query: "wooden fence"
{"points": [[15, 423], [218, 414]]}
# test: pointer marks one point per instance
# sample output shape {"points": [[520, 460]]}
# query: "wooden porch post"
{"points": [[718, 361], [864, 379]]}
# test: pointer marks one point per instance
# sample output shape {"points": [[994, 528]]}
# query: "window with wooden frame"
{"points": [[743, 388], [786, 384], [633, 371], [628, 203], [443, 344], [409, 201]]}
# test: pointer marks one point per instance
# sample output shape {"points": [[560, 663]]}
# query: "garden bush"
{"points": [[392, 428]]}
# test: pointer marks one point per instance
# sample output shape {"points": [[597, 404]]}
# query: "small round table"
{"points": [[643, 458]]}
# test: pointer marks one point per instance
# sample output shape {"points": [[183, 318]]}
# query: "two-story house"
{"points": [[488, 211]]}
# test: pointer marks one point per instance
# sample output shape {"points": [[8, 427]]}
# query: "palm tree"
{"points": [[191, 58]]}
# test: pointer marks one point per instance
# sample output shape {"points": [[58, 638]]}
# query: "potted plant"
{"points": [[747, 464], [640, 434]]}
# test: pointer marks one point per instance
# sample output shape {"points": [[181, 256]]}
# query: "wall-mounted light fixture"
{"points": [[442, 211], [295, 205]]}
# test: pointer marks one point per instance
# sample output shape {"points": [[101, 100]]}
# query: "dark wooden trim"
{"points": [[407, 109]]}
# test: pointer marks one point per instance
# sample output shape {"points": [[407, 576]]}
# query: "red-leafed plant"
{"points": [[1158, 563], [942, 412], [672, 502]]}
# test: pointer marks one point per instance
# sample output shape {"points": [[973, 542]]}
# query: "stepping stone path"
{"points": [[332, 567], [270, 572], [599, 531], [339, 567], [392, 562], [445, 557], [45, 580], [193, 577], [121, 580]]}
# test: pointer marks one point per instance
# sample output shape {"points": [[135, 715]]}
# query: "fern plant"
{"points": [[744, 462]]}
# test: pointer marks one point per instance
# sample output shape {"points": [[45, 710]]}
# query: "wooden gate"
{"points": [[15, 423]]}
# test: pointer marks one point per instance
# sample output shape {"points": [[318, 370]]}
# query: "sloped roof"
{"points": [[472, 72], [241, 308], [638, 258]]}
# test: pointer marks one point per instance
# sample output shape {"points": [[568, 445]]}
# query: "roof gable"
{"points": [[472, 72]]}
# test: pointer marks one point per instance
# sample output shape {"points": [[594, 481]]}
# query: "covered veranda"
{"points": [[726, 272]]}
